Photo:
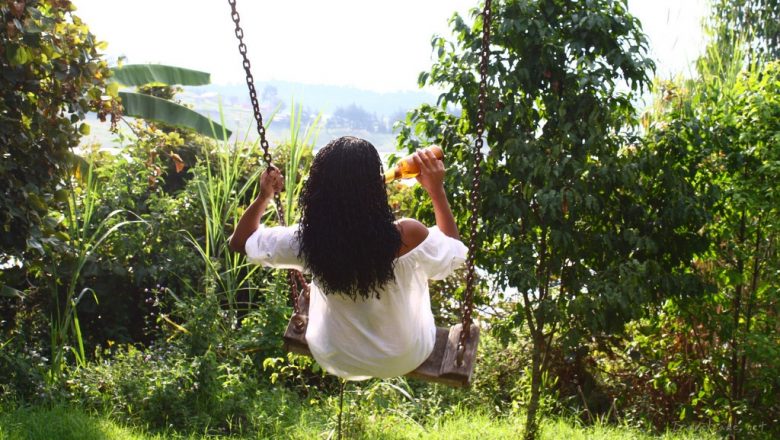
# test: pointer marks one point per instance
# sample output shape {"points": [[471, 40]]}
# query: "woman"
{"points": [[369, 312]]}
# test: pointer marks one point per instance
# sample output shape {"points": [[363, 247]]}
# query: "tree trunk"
{"points": [[531, 423], [751, 299], [736, 305]]}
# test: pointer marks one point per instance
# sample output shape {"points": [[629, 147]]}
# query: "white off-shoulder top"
{"points": [[385, 337]]}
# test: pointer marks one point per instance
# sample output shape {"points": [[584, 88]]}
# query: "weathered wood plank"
{"points": [[449, 364], [295, 334]]}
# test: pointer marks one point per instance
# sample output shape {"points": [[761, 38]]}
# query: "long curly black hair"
{"points": [[348, 236]]}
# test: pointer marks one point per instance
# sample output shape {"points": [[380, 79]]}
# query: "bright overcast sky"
{"points": [[373, 45]]}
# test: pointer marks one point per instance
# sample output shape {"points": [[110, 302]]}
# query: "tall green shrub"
{"points": [[714, 358], [51, 75], [577, 219], [721, 350]]}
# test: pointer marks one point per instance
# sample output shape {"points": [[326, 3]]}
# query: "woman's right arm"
{"points": [[271, 181], [431, 178]]}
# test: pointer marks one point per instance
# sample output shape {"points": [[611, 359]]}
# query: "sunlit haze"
{"points": [[372, 45]]}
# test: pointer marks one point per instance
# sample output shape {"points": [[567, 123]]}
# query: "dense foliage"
{"points": [[752, 24], [51, 75], [581, 221], [628, 265], [716, 356]]}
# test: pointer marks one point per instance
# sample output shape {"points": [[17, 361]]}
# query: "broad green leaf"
{"points": [[19, 55], [10, 292], [151, 108], [140, 74], [112, 89]]}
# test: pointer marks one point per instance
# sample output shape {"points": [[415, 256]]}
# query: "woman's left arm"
{"points": [[271, 182]]}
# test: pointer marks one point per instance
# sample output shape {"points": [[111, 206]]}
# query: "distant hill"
{"points": [[322, 98], [233, 102]]}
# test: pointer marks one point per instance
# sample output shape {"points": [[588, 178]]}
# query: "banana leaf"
{"points": [[152, 108], [140, 74]]}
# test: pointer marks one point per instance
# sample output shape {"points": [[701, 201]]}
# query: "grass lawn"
{"points": [[65, 423]]}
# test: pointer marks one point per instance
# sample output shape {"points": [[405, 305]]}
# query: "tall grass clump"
{"points": [[226, 184], [84, 234], [221, 188], [297, 148]]}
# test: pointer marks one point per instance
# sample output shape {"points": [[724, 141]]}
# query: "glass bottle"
{"points": [[406, 168]]}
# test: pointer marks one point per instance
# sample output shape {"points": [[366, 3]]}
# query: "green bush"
{"points": [[23, 370], [204, 372], [195, 379], [165, 388], [51, 75]]}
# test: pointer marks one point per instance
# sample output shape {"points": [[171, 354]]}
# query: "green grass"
{"points": [[478, 426], [65, 423], [61, 423]]}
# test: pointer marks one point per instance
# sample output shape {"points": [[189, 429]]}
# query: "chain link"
{"points": [[295, 277], [467, 307]]}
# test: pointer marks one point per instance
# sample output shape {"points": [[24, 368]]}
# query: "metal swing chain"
{"points": [[467, 307], [293, 275]]}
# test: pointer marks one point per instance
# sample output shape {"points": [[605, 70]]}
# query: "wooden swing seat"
{"points": [[440, 367]]}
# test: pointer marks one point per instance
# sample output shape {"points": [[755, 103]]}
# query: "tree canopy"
{"points": [[579, 218]]}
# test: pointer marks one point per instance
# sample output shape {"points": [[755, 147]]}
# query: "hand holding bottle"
{"points": [[407, 168], [431, 177], [431, 174]]}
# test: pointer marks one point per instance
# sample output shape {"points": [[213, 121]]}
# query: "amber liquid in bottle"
{"points": [[406, 168]]}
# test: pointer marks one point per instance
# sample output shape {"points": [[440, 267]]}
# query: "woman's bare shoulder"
{"points": [[412, 234]]}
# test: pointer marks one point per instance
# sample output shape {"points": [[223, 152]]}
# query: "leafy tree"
{"points": [[746, 125], [578, 218], [51, 75]]}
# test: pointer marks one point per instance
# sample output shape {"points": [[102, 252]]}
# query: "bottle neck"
{"points": [[392, 174]]}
